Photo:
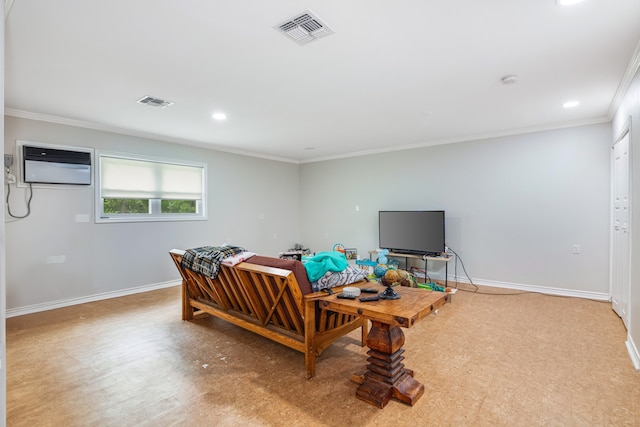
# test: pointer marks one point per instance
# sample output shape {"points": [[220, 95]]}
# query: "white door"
{"points": [[620, 285]]}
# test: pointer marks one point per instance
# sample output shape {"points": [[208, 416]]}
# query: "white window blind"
{"points": [[124, 178]]}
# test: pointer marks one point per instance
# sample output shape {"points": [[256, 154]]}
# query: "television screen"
{"points": [[413, 232]]}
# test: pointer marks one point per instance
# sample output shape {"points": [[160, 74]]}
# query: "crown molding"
{"points": [[625, 83], [146, 135], [473, 137]]}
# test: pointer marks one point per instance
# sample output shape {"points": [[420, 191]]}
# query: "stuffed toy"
{"points": [[382, 256], [399, 277]]}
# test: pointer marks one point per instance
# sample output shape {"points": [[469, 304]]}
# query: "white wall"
{"points": [[103, 258], [3, 300], [630, 110], [514, 205]]}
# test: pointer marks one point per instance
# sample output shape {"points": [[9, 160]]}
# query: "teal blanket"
{"points": [[322, 262]]}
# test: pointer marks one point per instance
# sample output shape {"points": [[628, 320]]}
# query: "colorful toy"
{"points": [[339, 247], [432, 286], [382, 256], [379, 270], [366, 262], [395, 277]]}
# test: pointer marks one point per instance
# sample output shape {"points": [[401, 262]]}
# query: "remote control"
{"points": [[345, 296], [365, 299], [369, 290]]}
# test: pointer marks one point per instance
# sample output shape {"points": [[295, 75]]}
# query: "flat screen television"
{"points": [[412, 232]]}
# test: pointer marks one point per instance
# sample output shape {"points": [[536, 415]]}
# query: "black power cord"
{"points": [[464, 269]]}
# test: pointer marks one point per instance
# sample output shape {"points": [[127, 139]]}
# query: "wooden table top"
{"points": [[414, 304]]}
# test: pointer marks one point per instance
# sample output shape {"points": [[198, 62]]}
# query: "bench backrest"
{"points": [[267, 295]]}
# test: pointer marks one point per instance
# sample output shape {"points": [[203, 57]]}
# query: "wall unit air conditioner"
{"points": [[53, 166]]}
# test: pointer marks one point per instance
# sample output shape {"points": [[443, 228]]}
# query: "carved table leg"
{"points": [[386, 376]]}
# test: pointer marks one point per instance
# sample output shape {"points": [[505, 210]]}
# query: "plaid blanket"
{"points": [[206, 260]]}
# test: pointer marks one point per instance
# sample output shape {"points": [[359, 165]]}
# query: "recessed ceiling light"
{"points": [[219, 116], [309, 148], [570, 104], [567, 2]]}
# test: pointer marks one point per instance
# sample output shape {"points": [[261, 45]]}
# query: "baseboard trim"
{"points": [[633, 353], [35, 308], [600, 296], [19, 311]]}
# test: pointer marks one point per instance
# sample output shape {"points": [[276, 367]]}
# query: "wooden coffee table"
{"points": [[385, 375]]}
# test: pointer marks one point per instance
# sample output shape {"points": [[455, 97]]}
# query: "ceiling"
{"points": [[394, 75]]}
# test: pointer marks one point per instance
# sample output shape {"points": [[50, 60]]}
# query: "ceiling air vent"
{"points": [[304, 28], [154, 102]]}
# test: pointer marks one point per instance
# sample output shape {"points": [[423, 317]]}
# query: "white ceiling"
{"points": [[395, 74]]}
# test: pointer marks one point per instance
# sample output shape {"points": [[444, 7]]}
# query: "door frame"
{"points": [[625, 131]]}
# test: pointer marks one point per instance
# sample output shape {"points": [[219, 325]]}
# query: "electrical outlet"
{"points": [[8, 160]]}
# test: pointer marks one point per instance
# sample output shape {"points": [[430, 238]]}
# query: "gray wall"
{"points": [[514, 205], [251, 202], [630, 110], [3, 300]]}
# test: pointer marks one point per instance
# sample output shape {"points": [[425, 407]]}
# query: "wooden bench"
{"points": [[268, 301]]}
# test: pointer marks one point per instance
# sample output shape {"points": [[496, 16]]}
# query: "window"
{"points": [[145, 189]]}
